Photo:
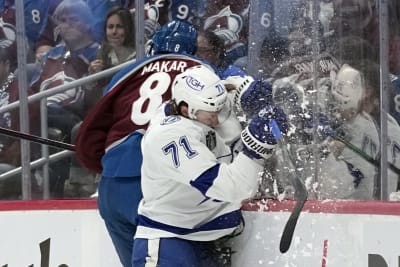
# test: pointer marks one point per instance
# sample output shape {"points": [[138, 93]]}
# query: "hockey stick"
{"points": [[300, 194], [362, 154], [37, 139]]}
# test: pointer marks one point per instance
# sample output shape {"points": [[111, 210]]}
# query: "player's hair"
{"points": [[76, 7], [216, 42], [173, 108], [370, 75]]}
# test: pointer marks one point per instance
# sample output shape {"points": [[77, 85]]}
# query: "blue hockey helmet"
{"points": [[176, 36]]}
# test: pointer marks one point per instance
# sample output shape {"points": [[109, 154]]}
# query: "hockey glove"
{"points": [[250, 95], [258, 138], [250, 100]]}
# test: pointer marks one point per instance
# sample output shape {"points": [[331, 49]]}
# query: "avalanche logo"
{"points": [[194, 83], [225, 24]]}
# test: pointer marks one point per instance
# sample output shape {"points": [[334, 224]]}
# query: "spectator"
{"points": [[67, 61], [192, 199], [100, 9], [353, 49], [10, 152], [355, 17], [108, 140], [34, 17], [118, 46], [394, 37], [274, 51], [210, 47], [46, 39]]}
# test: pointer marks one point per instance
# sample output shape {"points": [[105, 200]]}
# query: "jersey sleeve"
{"points": [[180, 153], [235, 181], [92, 135]]}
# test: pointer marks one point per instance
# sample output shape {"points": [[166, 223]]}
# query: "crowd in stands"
{"points": [[68, 40]]}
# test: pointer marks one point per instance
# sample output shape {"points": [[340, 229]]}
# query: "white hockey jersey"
{"points": [[189, 189], [348, 175], [393, 152]]}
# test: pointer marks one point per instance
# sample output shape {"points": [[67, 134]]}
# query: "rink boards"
{"points": [[328, 234]]}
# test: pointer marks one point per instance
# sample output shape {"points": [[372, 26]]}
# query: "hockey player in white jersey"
{"points": [[393, 157], [192, 189], [347, 175]]}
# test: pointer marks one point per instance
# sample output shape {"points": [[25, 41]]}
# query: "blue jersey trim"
{"points": [[225, 221], [125, 159], [120, 74], [356, 173], [206, 179]]}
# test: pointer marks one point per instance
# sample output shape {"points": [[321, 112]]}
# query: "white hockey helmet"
{"points": [[348, 88], [201, 89]]}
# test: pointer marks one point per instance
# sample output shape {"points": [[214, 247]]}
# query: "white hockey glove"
{"points": [[258, 138]]}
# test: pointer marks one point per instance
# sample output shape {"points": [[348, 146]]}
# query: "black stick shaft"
{"points": [[288, 231], [300, 194], [37, 139], [362, 154]]}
